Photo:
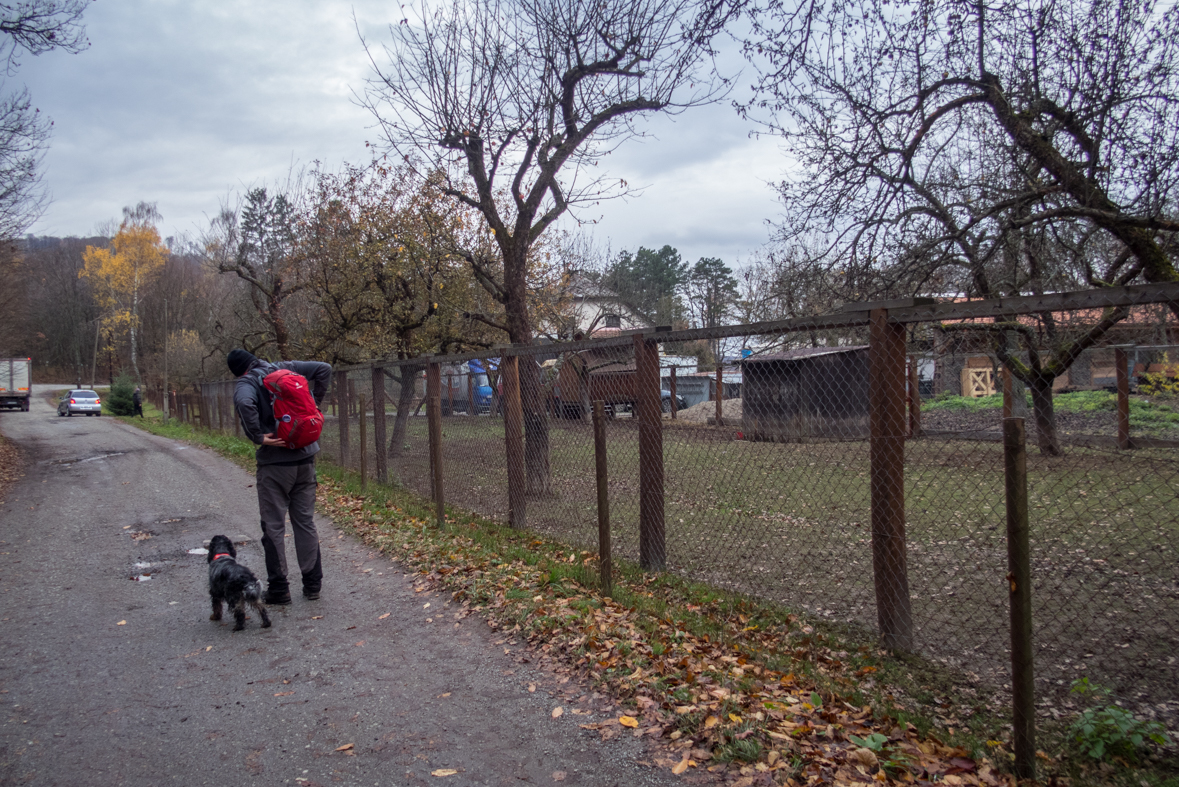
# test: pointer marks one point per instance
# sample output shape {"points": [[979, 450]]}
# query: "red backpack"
{"points": [[297, 420]]}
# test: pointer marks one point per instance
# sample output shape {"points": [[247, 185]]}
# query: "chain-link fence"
{"points": [[852, 465]]}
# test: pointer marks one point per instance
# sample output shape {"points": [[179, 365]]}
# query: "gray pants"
{"points": [[283, 488]]}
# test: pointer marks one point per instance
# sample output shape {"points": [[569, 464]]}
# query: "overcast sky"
{"points": [[185, 104]]}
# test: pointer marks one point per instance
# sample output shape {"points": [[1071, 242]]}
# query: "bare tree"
{"points": [[954, 146], [259, 244], [518, 100], [34, 26]]}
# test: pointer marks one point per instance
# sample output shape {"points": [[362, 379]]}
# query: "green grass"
{"points": [[1150, 413]]}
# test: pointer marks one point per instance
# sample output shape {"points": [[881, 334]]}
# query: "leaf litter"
{"points": [[708, 702]]}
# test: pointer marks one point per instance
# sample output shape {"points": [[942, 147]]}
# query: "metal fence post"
{"points": [[380, 461], [887, 451], [605, 559], [652, 536], [360, 405], [1019, 580], [1123, 376], [434, 422], [514, 439]]}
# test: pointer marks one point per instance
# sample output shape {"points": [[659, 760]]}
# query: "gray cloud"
{"points": [[184, 103]]}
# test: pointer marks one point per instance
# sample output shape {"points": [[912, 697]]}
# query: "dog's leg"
{"points": [[239, 615], [258, 605], [216, 609]]}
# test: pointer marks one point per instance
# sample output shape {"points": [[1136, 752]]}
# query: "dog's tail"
{"points": [[252, 592]]}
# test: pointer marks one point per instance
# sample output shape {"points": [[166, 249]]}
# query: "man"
{"points": [[285, 477], [137, 400]]}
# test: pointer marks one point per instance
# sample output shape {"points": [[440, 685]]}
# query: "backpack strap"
{"points": [[265, 399]]}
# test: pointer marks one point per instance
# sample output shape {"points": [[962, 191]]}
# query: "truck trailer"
{"points": [[16, 375]]}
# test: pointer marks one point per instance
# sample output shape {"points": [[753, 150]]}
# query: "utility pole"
{"points": [[166, 397]]}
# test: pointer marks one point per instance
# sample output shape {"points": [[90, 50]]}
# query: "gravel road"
{"points": [[106, 680]]}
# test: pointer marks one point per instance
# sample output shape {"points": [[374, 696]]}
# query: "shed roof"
{"points": [[802, 353]]}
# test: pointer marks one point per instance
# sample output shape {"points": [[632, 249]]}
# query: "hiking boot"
{"points": [[278, 599], [311, 595]]}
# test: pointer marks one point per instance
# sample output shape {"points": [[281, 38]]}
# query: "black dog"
{"points": [[233, 584]]}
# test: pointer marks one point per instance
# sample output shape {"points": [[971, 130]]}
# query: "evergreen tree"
{"points": [[118, 401]]}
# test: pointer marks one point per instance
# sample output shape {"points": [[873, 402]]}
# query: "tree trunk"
{"points": [[1046, 435], [404, 403], [536, 424], [281, 335], [583, 392], [536, 431], [134, 336]]}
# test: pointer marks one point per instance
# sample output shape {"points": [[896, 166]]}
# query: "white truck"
{"points": [[16, 387]]}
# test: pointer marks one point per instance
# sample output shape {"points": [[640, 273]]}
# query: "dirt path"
{"points": [[108, 681]]}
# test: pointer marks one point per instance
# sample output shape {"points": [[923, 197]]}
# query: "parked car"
{"points": [[80, 402], [665, 404]]}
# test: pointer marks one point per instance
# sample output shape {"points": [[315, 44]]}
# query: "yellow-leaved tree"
{"points": [[120, 273]]}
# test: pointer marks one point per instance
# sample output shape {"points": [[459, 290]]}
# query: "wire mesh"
{"points": [[853, 469]]}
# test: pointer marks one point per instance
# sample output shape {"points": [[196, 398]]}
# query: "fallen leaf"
{"points": [[628, 721], [345, 747], [531, 688], [444, 772], [317, 617], [447, 694], [121, 623], [558, 776], [680, 766], [864, 757], [289, 693], [359, 644], [382, 617], [558, 711], [711, 722], [208, 649]]}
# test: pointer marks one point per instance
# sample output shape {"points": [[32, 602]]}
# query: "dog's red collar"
{"points": [[223, 554]]}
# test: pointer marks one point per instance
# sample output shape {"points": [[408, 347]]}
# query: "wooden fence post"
{"points": [[360, 407], [380, 461], [509, 369], [1123, 377], [434, 423], [720, 394], [343, 409], [605, 560], [652, 536], [671, 390], [1019, 580], [886, 396], [914, 398]]}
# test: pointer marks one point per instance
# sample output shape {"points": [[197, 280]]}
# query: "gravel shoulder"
{"points": [[107, 680]]}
